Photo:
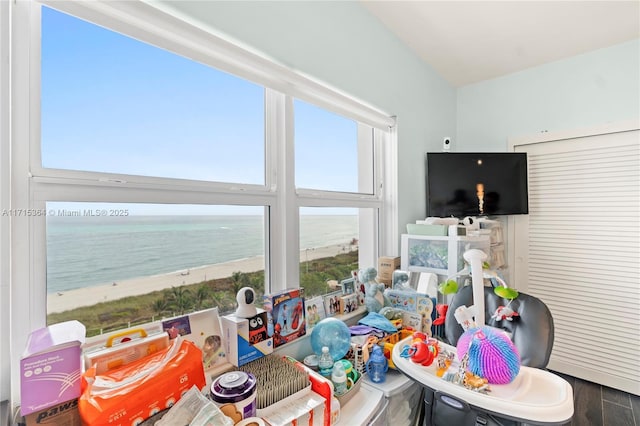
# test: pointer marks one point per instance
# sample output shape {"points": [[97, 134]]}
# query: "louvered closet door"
{"points": [[579, 251]]}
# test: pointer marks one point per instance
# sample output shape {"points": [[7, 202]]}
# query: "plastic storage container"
{"points": [[403, 397]]}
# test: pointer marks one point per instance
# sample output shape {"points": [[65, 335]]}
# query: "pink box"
{"points": [[50, 366]]}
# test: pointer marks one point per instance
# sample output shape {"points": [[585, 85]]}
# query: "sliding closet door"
{"points": [[579, 251]]}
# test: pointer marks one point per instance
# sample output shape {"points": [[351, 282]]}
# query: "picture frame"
{"points": [[348, 286], [348, 303], [332, 303], [315, 311]]}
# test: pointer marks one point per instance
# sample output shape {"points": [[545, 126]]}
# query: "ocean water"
{"points": [[90, 251]]}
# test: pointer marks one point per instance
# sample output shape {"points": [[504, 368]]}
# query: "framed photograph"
{"points": [[332, 303], [348, 303], [348, 286], [315, 311]]}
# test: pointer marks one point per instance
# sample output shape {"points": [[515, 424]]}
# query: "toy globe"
{"points": [[491, 354], [334, 334]]}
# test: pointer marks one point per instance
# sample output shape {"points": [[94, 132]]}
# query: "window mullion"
{"points": [[283, 218]]}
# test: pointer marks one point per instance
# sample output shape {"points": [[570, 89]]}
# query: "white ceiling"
{"points": [[471, 41]]}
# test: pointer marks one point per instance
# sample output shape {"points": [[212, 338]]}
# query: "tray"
{"points": [[535, 396]]}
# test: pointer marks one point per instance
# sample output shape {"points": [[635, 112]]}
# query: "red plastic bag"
{"points": [[133, 393]]}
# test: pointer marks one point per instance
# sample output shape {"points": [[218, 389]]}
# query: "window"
{"points": [[110, 103], [99, 254], [128, 170], [330, 151], [328, 247]]}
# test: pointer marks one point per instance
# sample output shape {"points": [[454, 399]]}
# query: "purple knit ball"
{"points": [[492, 355]]}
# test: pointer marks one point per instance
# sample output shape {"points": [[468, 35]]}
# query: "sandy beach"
{"points": [[70, 299]]}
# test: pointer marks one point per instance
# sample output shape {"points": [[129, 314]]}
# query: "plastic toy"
{"points": [[374, 298], [504, 313], [422, 350], [334, 334], [492, 355]]}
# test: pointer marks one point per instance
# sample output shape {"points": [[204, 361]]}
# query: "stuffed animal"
{"points": [[374, 298]]}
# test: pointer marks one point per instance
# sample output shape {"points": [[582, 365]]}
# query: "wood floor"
{"points": [[596, 405]]}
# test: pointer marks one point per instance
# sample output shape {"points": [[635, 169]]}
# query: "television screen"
{"points": [[461, 184]]}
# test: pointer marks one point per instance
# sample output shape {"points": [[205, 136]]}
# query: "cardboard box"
{"points": [[285, 310], [50, 367], [386, 266], [246, 339], [202, 328], [63, 414]]}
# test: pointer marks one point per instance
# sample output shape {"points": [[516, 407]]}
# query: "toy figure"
{"points": [[504, 313], [284, 318], [374, 298], [296, 315]]}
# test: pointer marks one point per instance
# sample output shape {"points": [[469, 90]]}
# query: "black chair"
{"points": [[532, 331]]}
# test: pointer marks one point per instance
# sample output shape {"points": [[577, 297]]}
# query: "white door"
{"points": [[578, 249]]}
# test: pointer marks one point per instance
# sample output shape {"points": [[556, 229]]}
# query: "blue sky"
{"points": [[113, 104]]}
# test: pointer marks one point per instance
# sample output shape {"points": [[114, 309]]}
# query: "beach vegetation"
{"points": [[238, 281], [109, 316], [180, 299]]}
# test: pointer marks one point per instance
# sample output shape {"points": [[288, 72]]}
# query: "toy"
{"points": [[334, 334], [423, 350], [504, 313], [391, 313], [490, 353], [285, 310], [374, 298]]}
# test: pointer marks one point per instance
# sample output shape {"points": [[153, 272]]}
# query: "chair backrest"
{"points": [[532, 331]]}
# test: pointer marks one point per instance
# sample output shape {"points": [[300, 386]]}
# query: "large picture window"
{"points": [[161, 168], [110, 103]]}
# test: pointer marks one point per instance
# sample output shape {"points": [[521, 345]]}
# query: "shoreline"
{"points": [[87, 296]]}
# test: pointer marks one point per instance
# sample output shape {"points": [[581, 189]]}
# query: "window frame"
{"points": [[23, 239]]}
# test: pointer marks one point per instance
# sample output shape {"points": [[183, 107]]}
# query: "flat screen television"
{"points": [[461, 184]]}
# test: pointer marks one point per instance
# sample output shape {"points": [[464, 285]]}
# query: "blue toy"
{"points": [[374, 298], [334, 334]]}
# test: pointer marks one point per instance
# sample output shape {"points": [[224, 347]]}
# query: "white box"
{"points": [[307, 410], [246, 339]]}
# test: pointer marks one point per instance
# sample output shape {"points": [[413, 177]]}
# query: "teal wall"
{"points": [[583, 91], [342, 44], [345, 46]]}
